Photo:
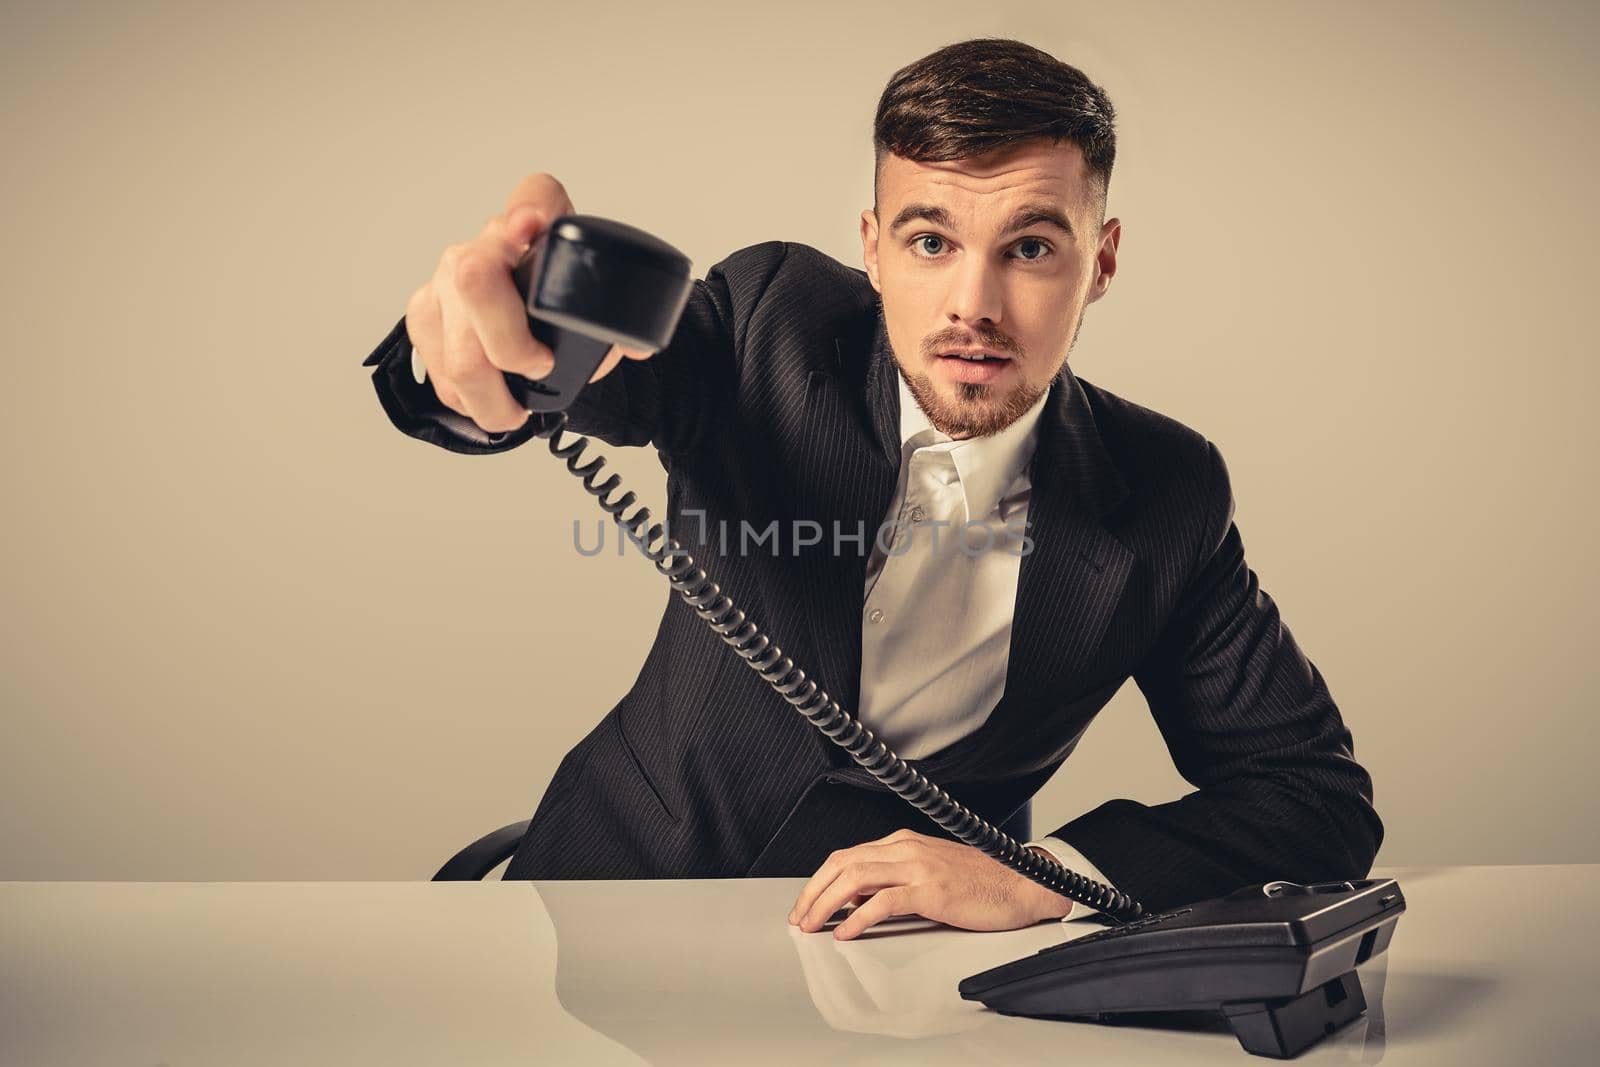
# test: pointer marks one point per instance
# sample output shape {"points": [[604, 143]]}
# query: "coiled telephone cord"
{"points": [[822, 711]]}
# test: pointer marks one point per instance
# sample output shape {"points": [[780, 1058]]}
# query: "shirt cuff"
{"points": [[1073, 860]]}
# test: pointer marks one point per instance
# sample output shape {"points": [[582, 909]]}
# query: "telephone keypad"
{"points": [[1127, 928]]}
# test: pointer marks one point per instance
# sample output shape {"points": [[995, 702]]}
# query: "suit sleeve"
{"points": [[1249, 721], [669, 400]]}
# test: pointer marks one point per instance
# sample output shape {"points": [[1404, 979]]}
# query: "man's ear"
{"points": [[869, 247], [1105, 259]]}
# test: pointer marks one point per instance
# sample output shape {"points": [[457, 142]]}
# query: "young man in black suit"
{"points": [[931, 389]]}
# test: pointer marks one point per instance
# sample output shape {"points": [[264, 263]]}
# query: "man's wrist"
{"points": [[1053, 905]]}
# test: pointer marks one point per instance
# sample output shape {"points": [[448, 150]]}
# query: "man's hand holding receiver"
{"points": [[468, 323]]}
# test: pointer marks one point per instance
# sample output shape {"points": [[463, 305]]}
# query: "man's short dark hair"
{"points": [[975, 96]]}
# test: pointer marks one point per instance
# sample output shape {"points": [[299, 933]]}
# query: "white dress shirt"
{"points": [[941, 589]]}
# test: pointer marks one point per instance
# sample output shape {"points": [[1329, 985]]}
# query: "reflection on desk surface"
{"points": [[700, 972]]}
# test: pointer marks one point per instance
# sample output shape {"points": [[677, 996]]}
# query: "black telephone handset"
{"points": [[589, 283], [1277, 960]]}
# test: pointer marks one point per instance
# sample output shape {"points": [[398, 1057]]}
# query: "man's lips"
{"points": [[974, 371], [972, 354]]}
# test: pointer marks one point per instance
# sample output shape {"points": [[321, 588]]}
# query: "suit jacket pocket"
{"points": [[637, 767]]}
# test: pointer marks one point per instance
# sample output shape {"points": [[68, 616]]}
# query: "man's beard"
{"points": [[978, 411]]}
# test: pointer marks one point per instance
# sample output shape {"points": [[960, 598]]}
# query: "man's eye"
{"points": [[1040, 249], [1044, 249]]}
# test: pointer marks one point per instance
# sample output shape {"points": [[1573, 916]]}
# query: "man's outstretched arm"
{"points": [[440, 372], [668, 400]]}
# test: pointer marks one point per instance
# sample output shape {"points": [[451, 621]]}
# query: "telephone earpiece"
{"points": [[588, 283]]}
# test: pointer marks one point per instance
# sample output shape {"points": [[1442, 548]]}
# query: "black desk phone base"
{"points": [[1276, 960]]}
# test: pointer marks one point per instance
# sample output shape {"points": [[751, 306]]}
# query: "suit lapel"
{"points": [[852, 421], [1073, 578], [881, 387]]}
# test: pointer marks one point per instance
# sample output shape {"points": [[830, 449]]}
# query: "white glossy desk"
{"points": [[697, 972]]}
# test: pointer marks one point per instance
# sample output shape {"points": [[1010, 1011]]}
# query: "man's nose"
{"points": [[975, 293]]}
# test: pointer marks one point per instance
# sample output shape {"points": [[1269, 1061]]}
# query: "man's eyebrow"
{"points": [[936, 215], [1039, 215], [1026, 216]]}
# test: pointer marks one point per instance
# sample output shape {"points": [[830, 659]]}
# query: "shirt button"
{"points": [[917, 514], [876, 614]]}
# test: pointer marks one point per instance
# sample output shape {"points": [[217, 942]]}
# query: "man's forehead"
{"points": [[1051, 173]]}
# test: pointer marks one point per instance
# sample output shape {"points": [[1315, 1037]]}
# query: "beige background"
{"points": [[252, 632]]}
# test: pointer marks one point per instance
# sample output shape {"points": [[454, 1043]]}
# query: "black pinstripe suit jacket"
{"points": [[777, 401]]}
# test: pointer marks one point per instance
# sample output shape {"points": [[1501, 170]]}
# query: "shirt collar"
{"points": [[986, 466]]}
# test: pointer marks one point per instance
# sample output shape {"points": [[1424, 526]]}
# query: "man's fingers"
{"points": [[482, 391], [854, 879], [536, 202], [613, 357], [819, 881], [910, 874], [468, 325], [489, 402], [425, 328], [449, 397], [499, 318], [810, 891], [823, 879], [886, 904], [617, 354], [540, 190], [515, 230], [836, 861]]}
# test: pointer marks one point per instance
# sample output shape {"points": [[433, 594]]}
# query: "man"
{"points": [[930, 390]]}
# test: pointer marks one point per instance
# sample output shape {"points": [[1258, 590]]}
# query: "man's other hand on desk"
{"points": [[908, 873]]}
